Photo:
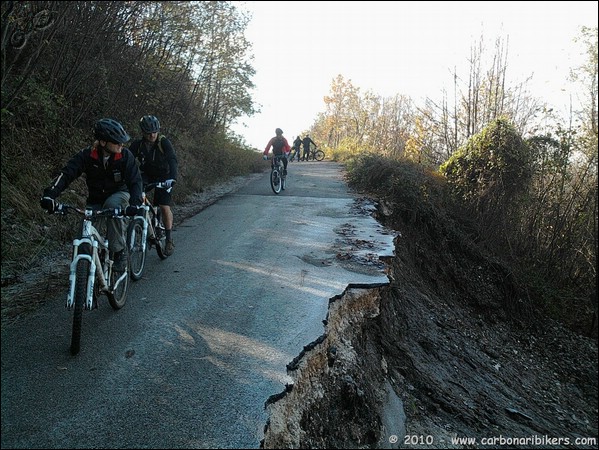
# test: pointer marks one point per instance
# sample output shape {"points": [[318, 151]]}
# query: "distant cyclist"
{"points": [[297, 148], [307, 141], [280, 147]]}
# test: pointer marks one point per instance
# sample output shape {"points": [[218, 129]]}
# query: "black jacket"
{"points": [[158, 162], [120, 174], [307, 142]]}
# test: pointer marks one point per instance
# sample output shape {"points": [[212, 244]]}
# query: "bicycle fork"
{"points": [[95, 270], [144, 234], [95, 273]]}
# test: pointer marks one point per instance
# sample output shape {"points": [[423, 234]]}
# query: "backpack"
{"points": [[277, 145], [156, 167], [160, 138]]}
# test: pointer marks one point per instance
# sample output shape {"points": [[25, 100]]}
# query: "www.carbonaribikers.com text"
{"points": [[541, 441]]}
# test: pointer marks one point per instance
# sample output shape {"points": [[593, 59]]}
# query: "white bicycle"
{"points": [[92, 271]]}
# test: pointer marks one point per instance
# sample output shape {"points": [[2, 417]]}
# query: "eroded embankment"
{"points": [[339, 397]]}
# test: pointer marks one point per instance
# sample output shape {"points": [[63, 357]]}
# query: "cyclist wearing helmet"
{"points": [[112, 177], [158, 163], [280, 146]]}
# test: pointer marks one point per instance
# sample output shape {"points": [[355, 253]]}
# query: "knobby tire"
{"points": [[82, 273], [319, 155], [160, 234], [137, 256], [118, 297], [275, 181]]}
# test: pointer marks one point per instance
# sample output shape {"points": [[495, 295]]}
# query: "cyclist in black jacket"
{"points": [[158, 163], [297, 146], [112, 177], [307, 141]]}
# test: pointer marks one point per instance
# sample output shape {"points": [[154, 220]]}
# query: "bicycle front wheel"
{"points": [[319, 155], [276, 183], [137, 250], [160, 233], [82, 275]]}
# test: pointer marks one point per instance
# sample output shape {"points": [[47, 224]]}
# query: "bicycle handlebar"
{"points": [[160, 185], [64, 208]]}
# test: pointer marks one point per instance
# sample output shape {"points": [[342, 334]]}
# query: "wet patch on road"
{"points": [[316, 261]]}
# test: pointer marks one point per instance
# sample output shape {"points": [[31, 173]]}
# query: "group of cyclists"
{"points": [[115, 177], [280, 146], [297, 145]]}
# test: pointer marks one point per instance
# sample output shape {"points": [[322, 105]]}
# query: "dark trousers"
{"points": [[283, 158]]}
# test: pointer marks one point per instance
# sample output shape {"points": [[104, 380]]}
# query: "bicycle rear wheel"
{"points": [[276, 182], [319, 155], [82, 274], [118, 296], [137, 253]]}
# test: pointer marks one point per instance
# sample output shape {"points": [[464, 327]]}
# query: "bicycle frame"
{"points": [[98, 271], [147, 224], [144, 231], [91, 264], [150, 220], [277, 162]]}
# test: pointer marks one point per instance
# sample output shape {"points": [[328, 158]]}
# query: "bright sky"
{"points": [[399, 47]]}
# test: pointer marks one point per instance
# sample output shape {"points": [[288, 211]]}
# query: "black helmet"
{"points": [[110, 130], [149, 124], [278, 131]]}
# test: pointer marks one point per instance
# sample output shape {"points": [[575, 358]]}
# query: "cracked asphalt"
{"points": [[206, 335]]}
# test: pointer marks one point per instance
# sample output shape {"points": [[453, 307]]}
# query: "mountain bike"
{"points": [[316, 154], [278, 179], [146, 231], [91, 271]]}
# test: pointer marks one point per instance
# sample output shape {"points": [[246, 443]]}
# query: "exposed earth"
{"points": [[442, 353]]}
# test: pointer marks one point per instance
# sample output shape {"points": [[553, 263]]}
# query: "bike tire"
{"points": [[319, 155], [82, 273], [137, 254], [160, 232], [117, 297], [275, 181]]}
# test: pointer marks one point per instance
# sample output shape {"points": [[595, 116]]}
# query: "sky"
{"points": [[399, 47]]}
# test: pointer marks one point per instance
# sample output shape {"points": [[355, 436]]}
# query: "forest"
{"points": [[494, 162]]}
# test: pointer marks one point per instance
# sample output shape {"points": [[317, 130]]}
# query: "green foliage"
{"points": [[492, 168], [209, 160], [347, 149], [539, 251], [36, 107], [185, 62], [419, 196]]}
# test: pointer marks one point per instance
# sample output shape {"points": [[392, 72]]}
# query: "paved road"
{"points": [[205, 337]]}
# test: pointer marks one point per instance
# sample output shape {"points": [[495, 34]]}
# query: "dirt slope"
{"points": [[445, 352]]}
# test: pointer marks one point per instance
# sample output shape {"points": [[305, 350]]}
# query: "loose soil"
{"points": [[445, 352]]}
